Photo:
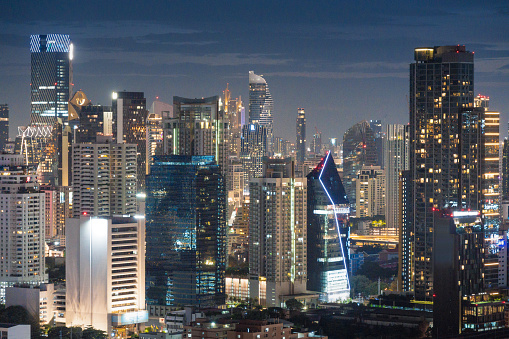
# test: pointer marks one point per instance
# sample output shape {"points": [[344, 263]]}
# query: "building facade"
{"points": [[22, 219], [261, 106], [105, 273], [445, 133], [328, 211], [300, 144], [397, 159], [129, 126], [370, 192], [186, 232], [51, 78], [104, 179], [4, 126], [358, 150], [277, 233]]}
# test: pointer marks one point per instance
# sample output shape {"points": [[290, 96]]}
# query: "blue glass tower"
{"points": [[328, 233], [185, 232], [51, 78]]}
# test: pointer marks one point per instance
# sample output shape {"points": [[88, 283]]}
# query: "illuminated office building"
{"points": [[95, 121], [376, 127], [490, 167], [358, 150], [154, 137], [328, 211], [105, 274], [300, 144], [233, 110], [199, 127], [129, 126], [277, 233], [51, 78], [261, 106], [458, 276], [186, 232], [254, 145], [316, 144], [397, 159], [4, 126], [22, 221], [445, 131]]}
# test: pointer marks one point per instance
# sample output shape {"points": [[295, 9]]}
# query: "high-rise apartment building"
{"points": [[370, 192], [199, 127], [154, 137], [458, 253], [104, 179], [186, 232], [328, 211], [22, 221], [129, 126], [396, 159], [234, 110], [51, 78], [277, 233], [4, 125], [105, 273], [316, 143], [300, 144], [490, 167], [445, 132], [358, 150]]}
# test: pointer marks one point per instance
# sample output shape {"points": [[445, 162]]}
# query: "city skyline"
{"points": [[344, 64]]}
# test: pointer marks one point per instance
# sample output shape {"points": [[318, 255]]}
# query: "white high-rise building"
{"points": [[277, 233], [105, 273], [104, 179], [22, 225], [370, 192], [397, 159]]}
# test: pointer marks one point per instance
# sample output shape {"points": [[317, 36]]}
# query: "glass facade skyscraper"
{"points": [[261, 106], [185, 232], [51, 77], [328, 233]]}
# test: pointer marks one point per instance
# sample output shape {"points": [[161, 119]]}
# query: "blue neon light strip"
{"points": [[335, 217]]}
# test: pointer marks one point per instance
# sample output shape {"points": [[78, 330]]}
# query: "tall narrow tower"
{"points": [[300, 144], [261, 106], [445, 133]]}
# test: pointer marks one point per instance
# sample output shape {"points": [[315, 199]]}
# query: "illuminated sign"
{"points": [[465, 213], [136, 317]]}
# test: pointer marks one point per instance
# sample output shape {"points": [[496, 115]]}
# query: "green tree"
{"points": [[294, 304]]}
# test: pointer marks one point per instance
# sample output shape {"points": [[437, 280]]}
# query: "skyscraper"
{"points": [[397, 159], [328, 211], [129, 126], [370, 192], [22, 223], [376, 127], [94, 121], [277, 233], [199, 127], [51, 78], [186, 232], [300, 143], [104, 179], [4, 125], [105, 273], [261, 106], [254, 145], [358, 150], [445, 133]]}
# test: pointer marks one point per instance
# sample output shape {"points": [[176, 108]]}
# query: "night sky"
{"points": [[341, 61]]}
